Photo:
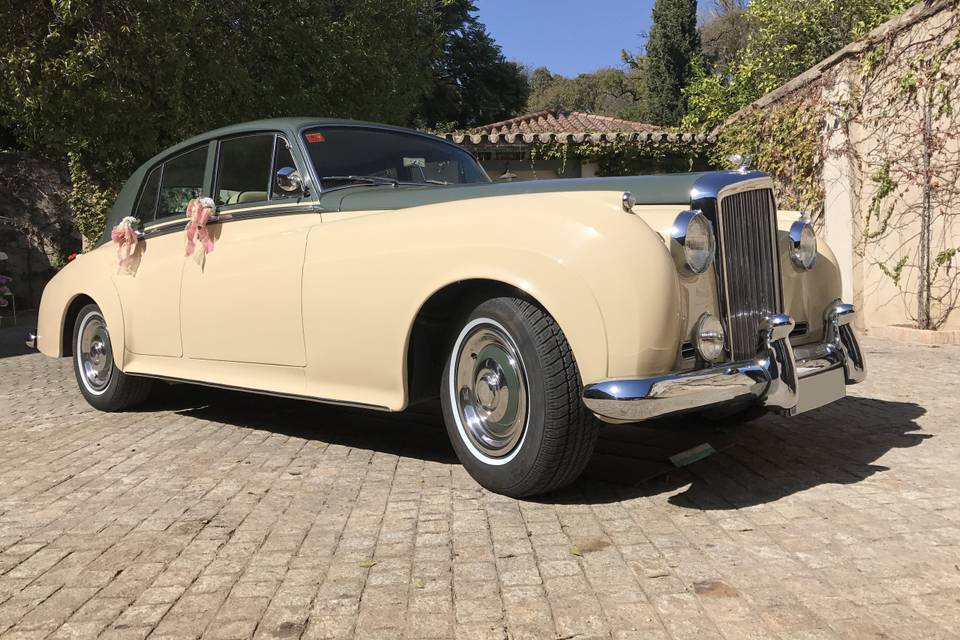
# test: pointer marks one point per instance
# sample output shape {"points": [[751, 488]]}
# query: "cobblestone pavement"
{"points": [[232, 516]]}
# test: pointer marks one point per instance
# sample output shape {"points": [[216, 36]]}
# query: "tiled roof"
{"points": [[570, 126], [529, 138], [566, 122]]}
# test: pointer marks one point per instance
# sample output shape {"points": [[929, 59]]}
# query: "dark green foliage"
{"points": [[724, 33], [783, 38], [672, 46], [611, 92], [473, 83], [102, 85]]}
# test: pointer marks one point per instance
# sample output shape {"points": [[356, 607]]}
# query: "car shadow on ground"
{"points": [[415, 433], [754, 462]]}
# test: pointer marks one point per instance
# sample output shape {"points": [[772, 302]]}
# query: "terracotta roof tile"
{"points": [[566, 122]]}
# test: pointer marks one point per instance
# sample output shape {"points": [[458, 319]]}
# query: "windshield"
{"points": [[358, 155]]}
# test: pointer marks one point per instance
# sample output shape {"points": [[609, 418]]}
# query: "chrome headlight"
{"points": [[709, 337], [803, 245], [695, 245]]}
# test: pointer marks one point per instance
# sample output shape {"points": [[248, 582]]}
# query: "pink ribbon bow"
{"points": [[124, 235], [199, 210]]}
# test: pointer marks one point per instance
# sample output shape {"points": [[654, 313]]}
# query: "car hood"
{"points": [[659, 189]]}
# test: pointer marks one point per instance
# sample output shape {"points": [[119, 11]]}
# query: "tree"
{"points": [[790, 36], [608, 91], [473, 83], [102, 85], [668, 66], [785, 37], [724, 34]]}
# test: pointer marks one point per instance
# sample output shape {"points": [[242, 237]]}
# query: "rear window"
{"points": [[181, 181]]}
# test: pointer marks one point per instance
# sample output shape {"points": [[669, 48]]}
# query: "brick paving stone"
{"points": [[220, 515]]}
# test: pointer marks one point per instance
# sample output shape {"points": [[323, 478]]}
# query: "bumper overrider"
{"points": [[788, 379]]}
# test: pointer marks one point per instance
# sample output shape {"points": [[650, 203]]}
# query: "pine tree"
{"points": [[672, 46]]}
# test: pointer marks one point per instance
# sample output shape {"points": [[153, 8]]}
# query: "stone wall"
{"points": [[890, 164], [36, 229]]}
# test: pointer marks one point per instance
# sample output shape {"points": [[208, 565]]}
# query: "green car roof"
{"points": [[653, 189]]}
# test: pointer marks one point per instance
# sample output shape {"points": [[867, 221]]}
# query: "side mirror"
{"points": [[288, 180]]}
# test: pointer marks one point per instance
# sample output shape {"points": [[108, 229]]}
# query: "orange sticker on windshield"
{"points": [[315, 137]]}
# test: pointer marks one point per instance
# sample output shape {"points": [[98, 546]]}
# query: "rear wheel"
{"points": [[511, 400], [103, 385]]}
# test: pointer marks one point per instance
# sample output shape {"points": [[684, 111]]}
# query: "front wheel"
{"points": [[103, 385], [511, 400]]}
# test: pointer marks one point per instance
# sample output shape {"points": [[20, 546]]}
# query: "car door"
{"points": [[242, 303], [150, 294]]}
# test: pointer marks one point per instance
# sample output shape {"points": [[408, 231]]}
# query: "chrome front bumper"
{"points": [[787, 379]]}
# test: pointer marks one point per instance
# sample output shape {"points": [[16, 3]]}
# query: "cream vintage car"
{"points": [[378, 267]]}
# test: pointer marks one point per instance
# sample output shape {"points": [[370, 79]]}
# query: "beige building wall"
{"points": [[879, 132]]}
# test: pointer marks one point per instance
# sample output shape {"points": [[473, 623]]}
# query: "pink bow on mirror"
{"points": [[200, 211]]}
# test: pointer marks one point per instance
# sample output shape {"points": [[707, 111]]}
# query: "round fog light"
{"points": [[709, 338]]}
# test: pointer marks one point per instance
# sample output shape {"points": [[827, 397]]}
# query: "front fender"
{"points": [[87, 275], [806, 294], [604, 275]]}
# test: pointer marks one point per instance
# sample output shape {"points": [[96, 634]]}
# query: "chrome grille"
{"points": [[750, 273]]}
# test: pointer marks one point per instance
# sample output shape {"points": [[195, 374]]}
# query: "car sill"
{"points": [[275, 394]]}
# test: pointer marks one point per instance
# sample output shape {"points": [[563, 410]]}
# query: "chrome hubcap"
{"points": [[491, 390], [94, 351]]}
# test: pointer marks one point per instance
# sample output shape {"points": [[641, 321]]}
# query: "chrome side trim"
{"points": [[234, 215], [31, 340], [275, 394]]}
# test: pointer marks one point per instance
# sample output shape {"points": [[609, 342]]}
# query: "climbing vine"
{"points": [[625, 157], [902, 131], [784, 141], [887, 118]]}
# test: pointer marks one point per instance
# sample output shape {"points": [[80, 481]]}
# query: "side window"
{"points": [[244, 169], [282, 158], [181, 182], [147, 206]]}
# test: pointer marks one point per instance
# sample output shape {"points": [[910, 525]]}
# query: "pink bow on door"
{"points": [[200, 211], [124, 235]]}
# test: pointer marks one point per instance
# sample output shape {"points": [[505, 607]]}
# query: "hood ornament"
{"points": [[740, 162]]}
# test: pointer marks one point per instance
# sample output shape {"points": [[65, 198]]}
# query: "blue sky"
{"points": [[567, 36]]}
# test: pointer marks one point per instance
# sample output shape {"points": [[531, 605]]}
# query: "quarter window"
{"points": [[244, 174], [181, 182]]}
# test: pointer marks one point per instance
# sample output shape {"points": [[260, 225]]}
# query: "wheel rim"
{"points": [[490, 389], [94, 353]]}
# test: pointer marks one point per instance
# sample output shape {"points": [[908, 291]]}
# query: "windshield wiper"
{"points": [[364, 179]]}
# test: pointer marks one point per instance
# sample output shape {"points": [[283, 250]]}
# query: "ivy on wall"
{"points": [[625, 157], [906, 126], [899, 128], [784, 141]]}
